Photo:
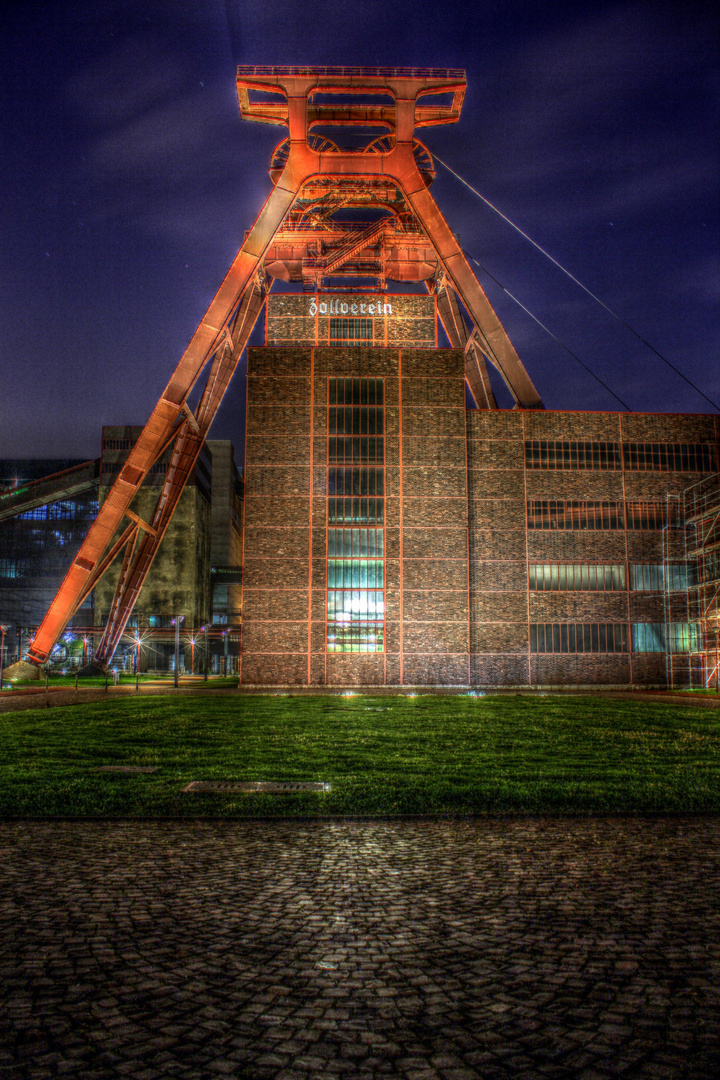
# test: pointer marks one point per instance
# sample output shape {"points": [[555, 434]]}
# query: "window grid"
{"points": [[355, 481], [602, 514], [548, 454], [576, 577], [652, 577], [356, 448], [356, 392], [13, 568], [355, 555], [351, 332], [676, 637], [669, 457], [578, 638], [633, 456], [355, 420]]}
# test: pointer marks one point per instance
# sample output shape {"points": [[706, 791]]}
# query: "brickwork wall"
{"points": [[458, 607], [502, 607], [426, 536]]}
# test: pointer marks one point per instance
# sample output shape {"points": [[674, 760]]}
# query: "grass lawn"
{"points": [[381, 755], [94, 682]]}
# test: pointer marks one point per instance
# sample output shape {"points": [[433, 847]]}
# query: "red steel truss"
{"points": [[351, 148]]}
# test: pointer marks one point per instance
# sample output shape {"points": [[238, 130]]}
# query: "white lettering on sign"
{"points": [[339, 307]]}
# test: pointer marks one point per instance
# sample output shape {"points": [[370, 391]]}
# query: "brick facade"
{"points": [[458, 607]]}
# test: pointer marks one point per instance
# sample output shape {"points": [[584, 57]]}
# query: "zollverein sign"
{"points": [[394, 321]]}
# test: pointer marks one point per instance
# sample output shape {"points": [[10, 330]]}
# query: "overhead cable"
{"points": [[548, 331], [579, 283]]}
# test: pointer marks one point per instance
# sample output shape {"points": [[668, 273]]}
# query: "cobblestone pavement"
{"points": [[487, 948]]}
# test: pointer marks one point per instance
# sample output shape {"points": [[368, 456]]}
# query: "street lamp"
{"points": [[176, 623], [3, 631]]}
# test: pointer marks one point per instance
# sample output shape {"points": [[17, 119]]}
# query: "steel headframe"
{"points": [[303, 99]]}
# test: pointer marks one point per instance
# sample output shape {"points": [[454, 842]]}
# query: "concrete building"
{"points": [[178, 582], [196, 573], [392, 537], [225, 535], [38, 544]]}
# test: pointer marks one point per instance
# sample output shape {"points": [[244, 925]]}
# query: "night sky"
{"points": [[128, 180]]}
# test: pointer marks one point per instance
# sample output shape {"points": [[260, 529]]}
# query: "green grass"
{"points": [[92, 682], [382, 755]]}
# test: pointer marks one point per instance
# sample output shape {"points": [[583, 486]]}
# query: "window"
{"points": [[355, 511], [356, 448], [574, 514], [543, 454], [669, 457], [62, 511], [351, 332], [649, 515], [355, 481], [349, 543], [602, 514], [356, 392], [578, 638], [576, 577], [118, 444], [355, 565], [354, 420], [652, 577], [644, 457], [661, 637], [13, 568]]}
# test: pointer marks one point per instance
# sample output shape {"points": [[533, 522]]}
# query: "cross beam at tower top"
{"points": [[351, 144]]}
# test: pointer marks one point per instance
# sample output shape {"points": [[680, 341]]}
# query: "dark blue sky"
{"points": [[128, 181]]}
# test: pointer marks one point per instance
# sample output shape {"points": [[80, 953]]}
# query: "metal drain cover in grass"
{"points": [[127, 768], [253, 787]]}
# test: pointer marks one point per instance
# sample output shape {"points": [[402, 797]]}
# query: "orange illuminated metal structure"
{"points": [[351, 150]]}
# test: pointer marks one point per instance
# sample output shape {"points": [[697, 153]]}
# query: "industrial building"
{"points": [[399, 528], [394, 537], [46, 509]]}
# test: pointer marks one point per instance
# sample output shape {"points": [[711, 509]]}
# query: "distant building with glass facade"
{"points": [[37, 547]]}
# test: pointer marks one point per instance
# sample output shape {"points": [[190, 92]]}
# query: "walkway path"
{"points": [[490, 948]]}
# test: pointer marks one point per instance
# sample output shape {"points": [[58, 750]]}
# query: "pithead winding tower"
{"points": [[297, 238]]}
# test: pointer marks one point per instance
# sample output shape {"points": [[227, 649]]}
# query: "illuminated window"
{"points": [[576, 577], [578, 638], [652, 577], [678, 637], [13, 568], [355, 537]]}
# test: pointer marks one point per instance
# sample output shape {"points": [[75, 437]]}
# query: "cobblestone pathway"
{"points": [[489, 948]]}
